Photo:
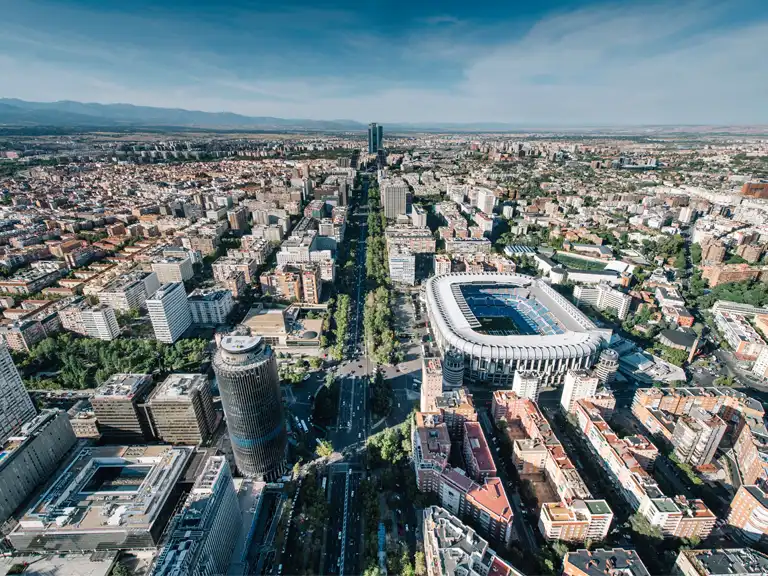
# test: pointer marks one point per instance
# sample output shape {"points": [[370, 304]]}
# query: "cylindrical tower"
{"points": [[246, 371], [607, 366], [453, 370]]}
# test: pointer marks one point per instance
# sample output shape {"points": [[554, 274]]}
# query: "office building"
{"points": [[615, 562], [210, 307], [29, 458], [527, 384], [173, 269], [375, 138], [394, 197], [749, 513], [603, 297], [170, 313], [202, 536], [451, 548], [100, 322], [246, 371], [607, 366], [697, 436], [120, 409], [131, 492], [721, 562], [182, 409], [16, 406], [578, 384]]}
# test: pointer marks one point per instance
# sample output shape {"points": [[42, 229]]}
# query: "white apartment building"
{"points": [[16, 406], [402, 265], [169, 312], [442, 264], [100, 322], [527, 384], [129, 292], [210, 307], [173, 270], [603, 297], [486, 200], [393, 198], [761, 364], [578, 384]]}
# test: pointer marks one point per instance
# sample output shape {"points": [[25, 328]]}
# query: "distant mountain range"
{"points": [[67, 114]]}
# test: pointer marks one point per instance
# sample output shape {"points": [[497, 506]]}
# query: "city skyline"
{"points": [[567, 63]]}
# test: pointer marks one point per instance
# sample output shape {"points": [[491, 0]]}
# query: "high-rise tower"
{"points": [[607, 366], [246, 371], [16, 406], [375, 138]]}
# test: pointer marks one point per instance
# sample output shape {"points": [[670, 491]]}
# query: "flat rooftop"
{"points": [[178, 386], [722, 562], [616, 562], [108, 488], [83, 564], [123, 385]]}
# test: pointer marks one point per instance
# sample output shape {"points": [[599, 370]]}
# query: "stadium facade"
{"points": [[502, 323]]}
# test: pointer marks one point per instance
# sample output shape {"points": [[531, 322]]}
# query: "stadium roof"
{"points": [[581, 336]]}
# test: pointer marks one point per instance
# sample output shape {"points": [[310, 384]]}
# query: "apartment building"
{"points": [[210, 307], [431, 383], [241, 262], [538, 455], [100, 322], [417, 240], [578, 384], [721, 562], [451, 548], [749, 513], [675, 517], [697, 436], [431, 446], [129, 291], [173, 269], [601, 562], [464, 246], [527, 384], [477, 455], [743, 339], [402, 265], [603, 297], [170, 312], [442, 264]]}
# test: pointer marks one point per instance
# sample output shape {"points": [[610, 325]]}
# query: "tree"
{"points": [[419, 564], [329, 379], [406, 568], [324, 448], [315, 362], [640, 525], [120, 569], [372, 570]]}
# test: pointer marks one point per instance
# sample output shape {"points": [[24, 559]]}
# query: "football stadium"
{"points": [[502, 323]]}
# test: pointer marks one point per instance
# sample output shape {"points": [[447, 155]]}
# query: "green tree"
{"points": [[120, 569], [324, 448], [419, 564]]}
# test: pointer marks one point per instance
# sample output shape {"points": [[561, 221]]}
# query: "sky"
{"points": [[532, 62]]}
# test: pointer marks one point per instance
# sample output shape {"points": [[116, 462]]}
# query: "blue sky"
{"points": [[546, 62]]}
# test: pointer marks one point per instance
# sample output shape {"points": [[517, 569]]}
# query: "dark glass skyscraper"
{"points": [[246, 371], [375, 138]]}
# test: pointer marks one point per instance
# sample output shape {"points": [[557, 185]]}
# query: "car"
{"points": [[306, 377]]}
